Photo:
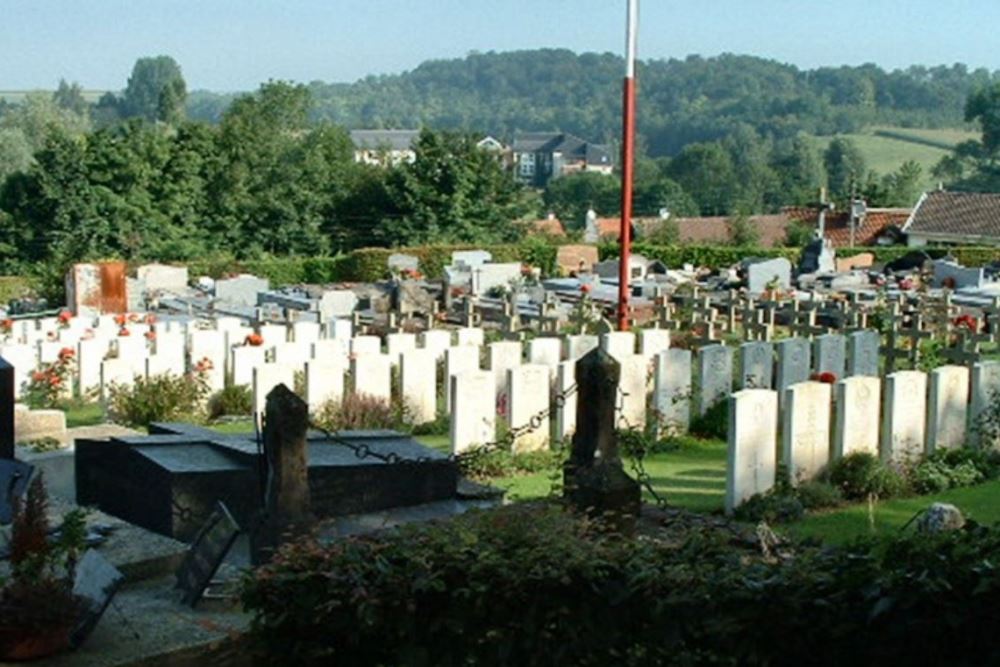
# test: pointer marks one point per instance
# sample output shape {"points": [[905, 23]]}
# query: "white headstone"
{"points": [[578, 346], [566, 413], [863, 353], [265, 378], [366, 345], [372, 375], [244, 359], [632, 384], [985, 392], [619, 344], [418, 379], [948, 407], [504, 355], [306, 332], [653, 341], [273, 334], [324, 381], [545, 351], [672, 390], [528, 396], [715, 371], [437, 341], [805, 433], [457, 360], [794, 363], [830, 354], [397, 343], [24, 359], [342, 328], [473, 409], [332, 349], [208, 349], [116, 372], [89, 355], [904, 418], [751, 451], [470, 336], [756, 365], [856, 426]]}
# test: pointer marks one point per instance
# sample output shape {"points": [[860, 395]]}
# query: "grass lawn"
{"points": [[87, 414]]}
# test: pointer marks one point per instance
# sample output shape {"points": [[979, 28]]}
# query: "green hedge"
{"points": [[531, 585], [676, 256]]}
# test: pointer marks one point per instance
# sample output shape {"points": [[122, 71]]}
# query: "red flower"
{"points": [[7, 325], [120, 320], [55, 380], [204, 365], [65, 316], [133, 317], [37, 376], [967, 321], [254, 340], [66, 353], [124, 332], [585, 288], [150, 318], [826, 377]]}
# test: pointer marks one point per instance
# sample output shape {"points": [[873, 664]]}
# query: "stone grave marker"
{"points": [[437, 341], [399, 262], [672, 390], [566, 411], [365, 346], [163, 277], [24, 359], [117, 372], [89, 355], [418, 379], [762, 273], [794, 363], [470, 258], [904, 417], [340, 329], [273, 334], [265, 378], [244, 359], [985, 391], [504, 355], [528, 389], [324, 381], [579, 345], [545, 351], [857, 409], [863, 353], [632, 384], [830, 354], [756, 365], [715, 373], [805, 433], [95, 582], [306, 332], [372, 375], [752, 445], [241, 290], [652, 342], [947, 408], [206, 553], [619, 344], [470, 336], [473, 410], [397, 343]]}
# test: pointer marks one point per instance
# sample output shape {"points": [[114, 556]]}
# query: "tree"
{"points": [[845, 166], [570, 196], [742, 232], [70, 97], [156, 90], [799, 170], [706, 173]]}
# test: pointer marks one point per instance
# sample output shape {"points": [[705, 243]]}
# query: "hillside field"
{"points": [[886, 148]]}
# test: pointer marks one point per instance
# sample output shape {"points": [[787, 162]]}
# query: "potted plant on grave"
{"points": [[38, 610]]}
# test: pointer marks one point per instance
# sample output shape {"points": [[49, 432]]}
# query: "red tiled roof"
{"points": [[546, 227], [610, 228], [715, 230], [838, 224], [974, 215]]}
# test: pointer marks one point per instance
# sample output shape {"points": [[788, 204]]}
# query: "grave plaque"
{"points": [[715, 364], [862, 358], [206, 554], [95, 582], [831, 354], [14, 478], [756, 365], [793, 363]]}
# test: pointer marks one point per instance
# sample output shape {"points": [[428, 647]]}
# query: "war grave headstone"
{"points": [[473, 409], [856, 423], [528, 388], [985, 391], [904, 417], [652, 342], [244, 359], [372, 375], [947, 408], [470, 336], [756, 365], [366, 345], [794, 363], [579, 345], [565, 409], [324, 381], [503, 356], [752, 445], [418, 381], [546, 351], [437, 341], [619, 344], [458, 360], [830, 354], [715, 375], [632, 384], [672, 390], [863, 353], [805, 433]]}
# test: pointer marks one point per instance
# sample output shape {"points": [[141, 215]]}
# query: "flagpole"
{"points": [[628, 149]]}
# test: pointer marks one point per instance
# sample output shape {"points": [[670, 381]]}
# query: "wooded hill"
{"points": [[680, 101]]}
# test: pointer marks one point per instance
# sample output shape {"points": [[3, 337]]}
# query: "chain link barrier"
{"points": [[636, 457]]}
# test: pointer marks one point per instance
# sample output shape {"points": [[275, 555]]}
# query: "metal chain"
{"points": [[636, 459], [535, 422]]}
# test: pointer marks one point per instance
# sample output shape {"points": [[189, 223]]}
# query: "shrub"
{"points": [[530, 585], [818, 495], [770, 507], [50, 386], [157, 398], [860, 475], [950, 469], [231, 401], [359, 412], [714, 423], [497, 463]]}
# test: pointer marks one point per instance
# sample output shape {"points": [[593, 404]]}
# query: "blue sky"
{"points": [[236, 44]]}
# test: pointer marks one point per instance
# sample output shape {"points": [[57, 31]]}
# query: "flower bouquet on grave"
{"points": [[253, 340], [64, 318], [38, 610]]}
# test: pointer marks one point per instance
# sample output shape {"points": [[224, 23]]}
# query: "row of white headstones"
{"points": [[480, 380]]}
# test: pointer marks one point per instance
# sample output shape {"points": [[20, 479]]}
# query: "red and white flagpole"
{"points": [[628, 149]]}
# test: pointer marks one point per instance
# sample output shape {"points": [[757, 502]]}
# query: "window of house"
{"points": [[527, 164]]}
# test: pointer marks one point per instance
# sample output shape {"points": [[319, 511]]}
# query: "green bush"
{"points": [[770, 507], [817, 495], [361, 412], [860, 475], [157, 398], [714, 424], [497, 463], [231, 401], [953, 468], [530, 585]]}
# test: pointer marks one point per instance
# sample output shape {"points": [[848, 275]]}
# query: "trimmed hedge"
{"points": [[532, 585]]}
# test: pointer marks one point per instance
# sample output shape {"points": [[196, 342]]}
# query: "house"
{"points": [[540, 156], [874, 226], [597, 229], [954, 218], [549, 226], [384, 147], [712, 230]]}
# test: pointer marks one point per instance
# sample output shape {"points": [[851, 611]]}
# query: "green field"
{"points": [[884, 154], [15, 96]]}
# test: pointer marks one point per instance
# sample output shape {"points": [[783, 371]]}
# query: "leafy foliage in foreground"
{"points": [[532, 585]]}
